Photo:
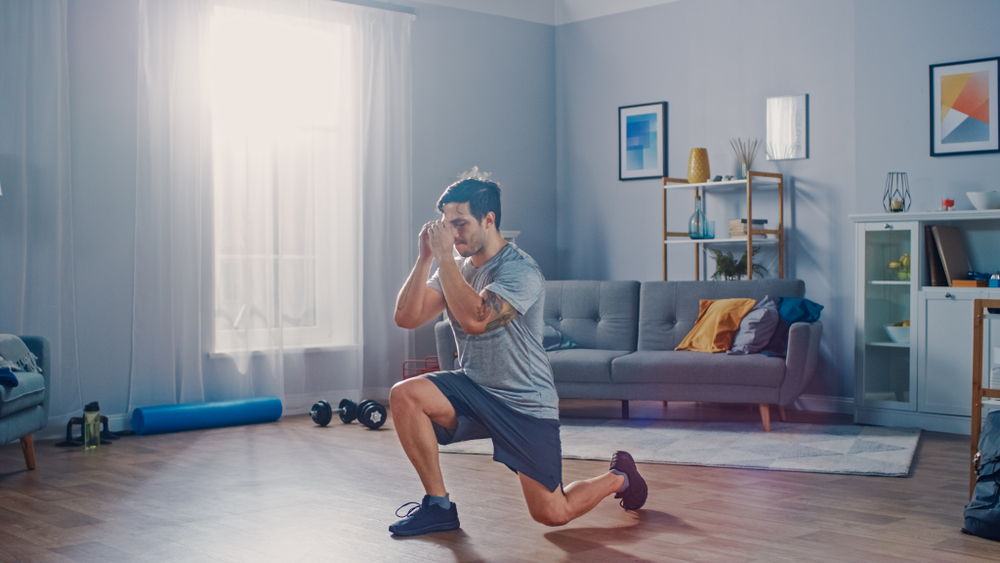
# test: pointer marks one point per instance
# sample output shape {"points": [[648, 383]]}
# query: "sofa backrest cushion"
{"points": [[668, 310], [599, 315]]}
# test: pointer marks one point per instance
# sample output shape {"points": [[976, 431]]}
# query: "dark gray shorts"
{"points": [[525, 444]]}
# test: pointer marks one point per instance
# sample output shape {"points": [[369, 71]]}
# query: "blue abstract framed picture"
{"points": [[642, 141], [964, 107]]}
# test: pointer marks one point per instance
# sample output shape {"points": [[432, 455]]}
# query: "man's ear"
{"points": [[489, 219]]}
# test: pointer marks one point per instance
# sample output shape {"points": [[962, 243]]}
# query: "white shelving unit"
{"points": [[753, 180], [927, 382]]}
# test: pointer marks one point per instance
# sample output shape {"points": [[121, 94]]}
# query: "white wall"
{"points": [[897, 41], [864, 65], [714, 62], [484, 95]]}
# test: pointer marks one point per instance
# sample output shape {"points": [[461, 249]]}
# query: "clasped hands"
{"points": [[436, 240]]}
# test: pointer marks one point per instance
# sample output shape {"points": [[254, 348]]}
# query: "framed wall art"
{"points": [[964, 107], [787, 127], [642, 141]]}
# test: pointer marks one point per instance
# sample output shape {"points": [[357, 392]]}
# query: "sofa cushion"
{"points": [[790, 311], [583, 366], [698, 368], [669, 309], [600, 315], [29, 392], [718, 321], [756, 329]]}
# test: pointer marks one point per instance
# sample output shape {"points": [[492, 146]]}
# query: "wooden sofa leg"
{"points": [[625, 410], [765, 415], [28, 447], [781, 413]]}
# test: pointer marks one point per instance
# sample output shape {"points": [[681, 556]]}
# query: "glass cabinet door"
{"points": [[888, 316]]}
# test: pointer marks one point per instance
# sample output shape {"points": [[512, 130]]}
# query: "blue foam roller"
{"points": [[195, 416]]}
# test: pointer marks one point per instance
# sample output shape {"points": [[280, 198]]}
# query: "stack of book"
{"points": [[738, 227]]}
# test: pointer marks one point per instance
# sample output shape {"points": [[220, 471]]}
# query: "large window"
{"points": [[286, 227]]}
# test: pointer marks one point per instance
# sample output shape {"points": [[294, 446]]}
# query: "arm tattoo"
{"points": [[492, 303], [507, 313]]}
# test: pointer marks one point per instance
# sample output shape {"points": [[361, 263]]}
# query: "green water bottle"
{"points": [[91, 425]]}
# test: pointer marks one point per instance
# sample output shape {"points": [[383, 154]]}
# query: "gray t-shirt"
{"points": [[509, 362]]}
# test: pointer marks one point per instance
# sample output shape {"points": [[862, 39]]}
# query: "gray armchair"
{"points": [[25, 409]]}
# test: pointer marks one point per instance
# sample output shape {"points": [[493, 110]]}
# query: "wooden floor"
{"points": [[292, 491]]}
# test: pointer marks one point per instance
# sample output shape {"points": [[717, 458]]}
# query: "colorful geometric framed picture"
{"points": [[964, 107], [642, 141]]}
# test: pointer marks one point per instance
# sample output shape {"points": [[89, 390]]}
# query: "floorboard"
{"points": [[293, 491]]}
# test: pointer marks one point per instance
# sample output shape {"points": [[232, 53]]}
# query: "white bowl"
{"points": [[898, 334], [984, 200]]}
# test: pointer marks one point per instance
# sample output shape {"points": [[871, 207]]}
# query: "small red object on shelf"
{"points": [[413, 368]]}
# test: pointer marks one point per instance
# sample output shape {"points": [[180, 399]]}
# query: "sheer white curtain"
{"points": [[37, 293], [272, 200]]}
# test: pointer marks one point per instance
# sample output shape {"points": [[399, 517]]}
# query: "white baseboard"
{"points": [[824, 403]]}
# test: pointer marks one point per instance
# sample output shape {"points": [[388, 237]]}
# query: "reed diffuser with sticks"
{"points": [[746, 153]]}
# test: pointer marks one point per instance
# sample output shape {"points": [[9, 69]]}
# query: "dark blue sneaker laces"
{"points": [[635, 495], [425, 518]]}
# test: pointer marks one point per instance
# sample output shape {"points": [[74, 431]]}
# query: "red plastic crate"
{"points": [[413, 368]]}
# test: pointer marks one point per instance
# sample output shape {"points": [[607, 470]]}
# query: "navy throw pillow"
{"points": [[790, 310]]}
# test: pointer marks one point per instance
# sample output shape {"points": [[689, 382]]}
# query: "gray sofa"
{"points": [[627, 331]]}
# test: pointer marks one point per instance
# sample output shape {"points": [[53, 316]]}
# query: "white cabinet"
{"points": [[885, 367], [945, 374], [926, 382]]}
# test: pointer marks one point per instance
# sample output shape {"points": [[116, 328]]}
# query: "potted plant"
{"points": [[728, 268]]}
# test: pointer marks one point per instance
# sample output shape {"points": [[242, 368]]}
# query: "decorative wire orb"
{"points": [[896, 197]]}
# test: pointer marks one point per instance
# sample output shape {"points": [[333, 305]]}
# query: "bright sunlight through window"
{"points": [[284, 181]]}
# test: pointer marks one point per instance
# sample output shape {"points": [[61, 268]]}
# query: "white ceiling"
{"points": [[551, 12]]}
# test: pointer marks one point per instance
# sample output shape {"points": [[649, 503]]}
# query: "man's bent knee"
{"points": [[409, 393], [549, 515], [420, 395]]}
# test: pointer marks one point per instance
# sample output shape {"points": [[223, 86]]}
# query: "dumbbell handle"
{"points": [[334, 411]]}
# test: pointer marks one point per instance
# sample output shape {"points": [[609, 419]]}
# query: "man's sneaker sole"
{"points": [[446, 527]]}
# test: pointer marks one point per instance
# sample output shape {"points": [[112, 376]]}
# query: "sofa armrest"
{"points": [[446, 347], [801, 360], [39, 346]]}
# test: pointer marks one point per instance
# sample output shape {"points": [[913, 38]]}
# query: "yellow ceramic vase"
{"points": [[698, 171]]}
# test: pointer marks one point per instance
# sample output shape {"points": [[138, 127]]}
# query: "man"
{"points": [[505, 390]]}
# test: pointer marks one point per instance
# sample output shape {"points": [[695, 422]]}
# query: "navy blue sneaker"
{"points": [[635, 495], [425, 518]]}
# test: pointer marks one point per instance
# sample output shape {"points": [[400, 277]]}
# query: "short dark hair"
{"points": [[481, 196]]}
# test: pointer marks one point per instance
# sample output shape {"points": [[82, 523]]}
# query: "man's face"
{"points": [[470, 235]]}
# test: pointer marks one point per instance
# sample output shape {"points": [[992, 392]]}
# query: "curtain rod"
{"points": [[381, 6]]}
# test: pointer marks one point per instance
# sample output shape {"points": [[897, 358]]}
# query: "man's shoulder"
{"points": [[519, 259]]}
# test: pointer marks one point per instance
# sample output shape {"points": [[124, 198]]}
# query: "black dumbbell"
{"points": [[370, 413], [322, 412]]}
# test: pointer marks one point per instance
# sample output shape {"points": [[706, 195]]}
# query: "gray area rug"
{"points": [[814, 448]]}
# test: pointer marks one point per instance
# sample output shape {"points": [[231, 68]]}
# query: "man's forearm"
{"points": [[409, 306], [464, 304]]}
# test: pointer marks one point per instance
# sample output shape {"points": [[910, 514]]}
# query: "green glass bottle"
{"points": [[91, 425]]}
